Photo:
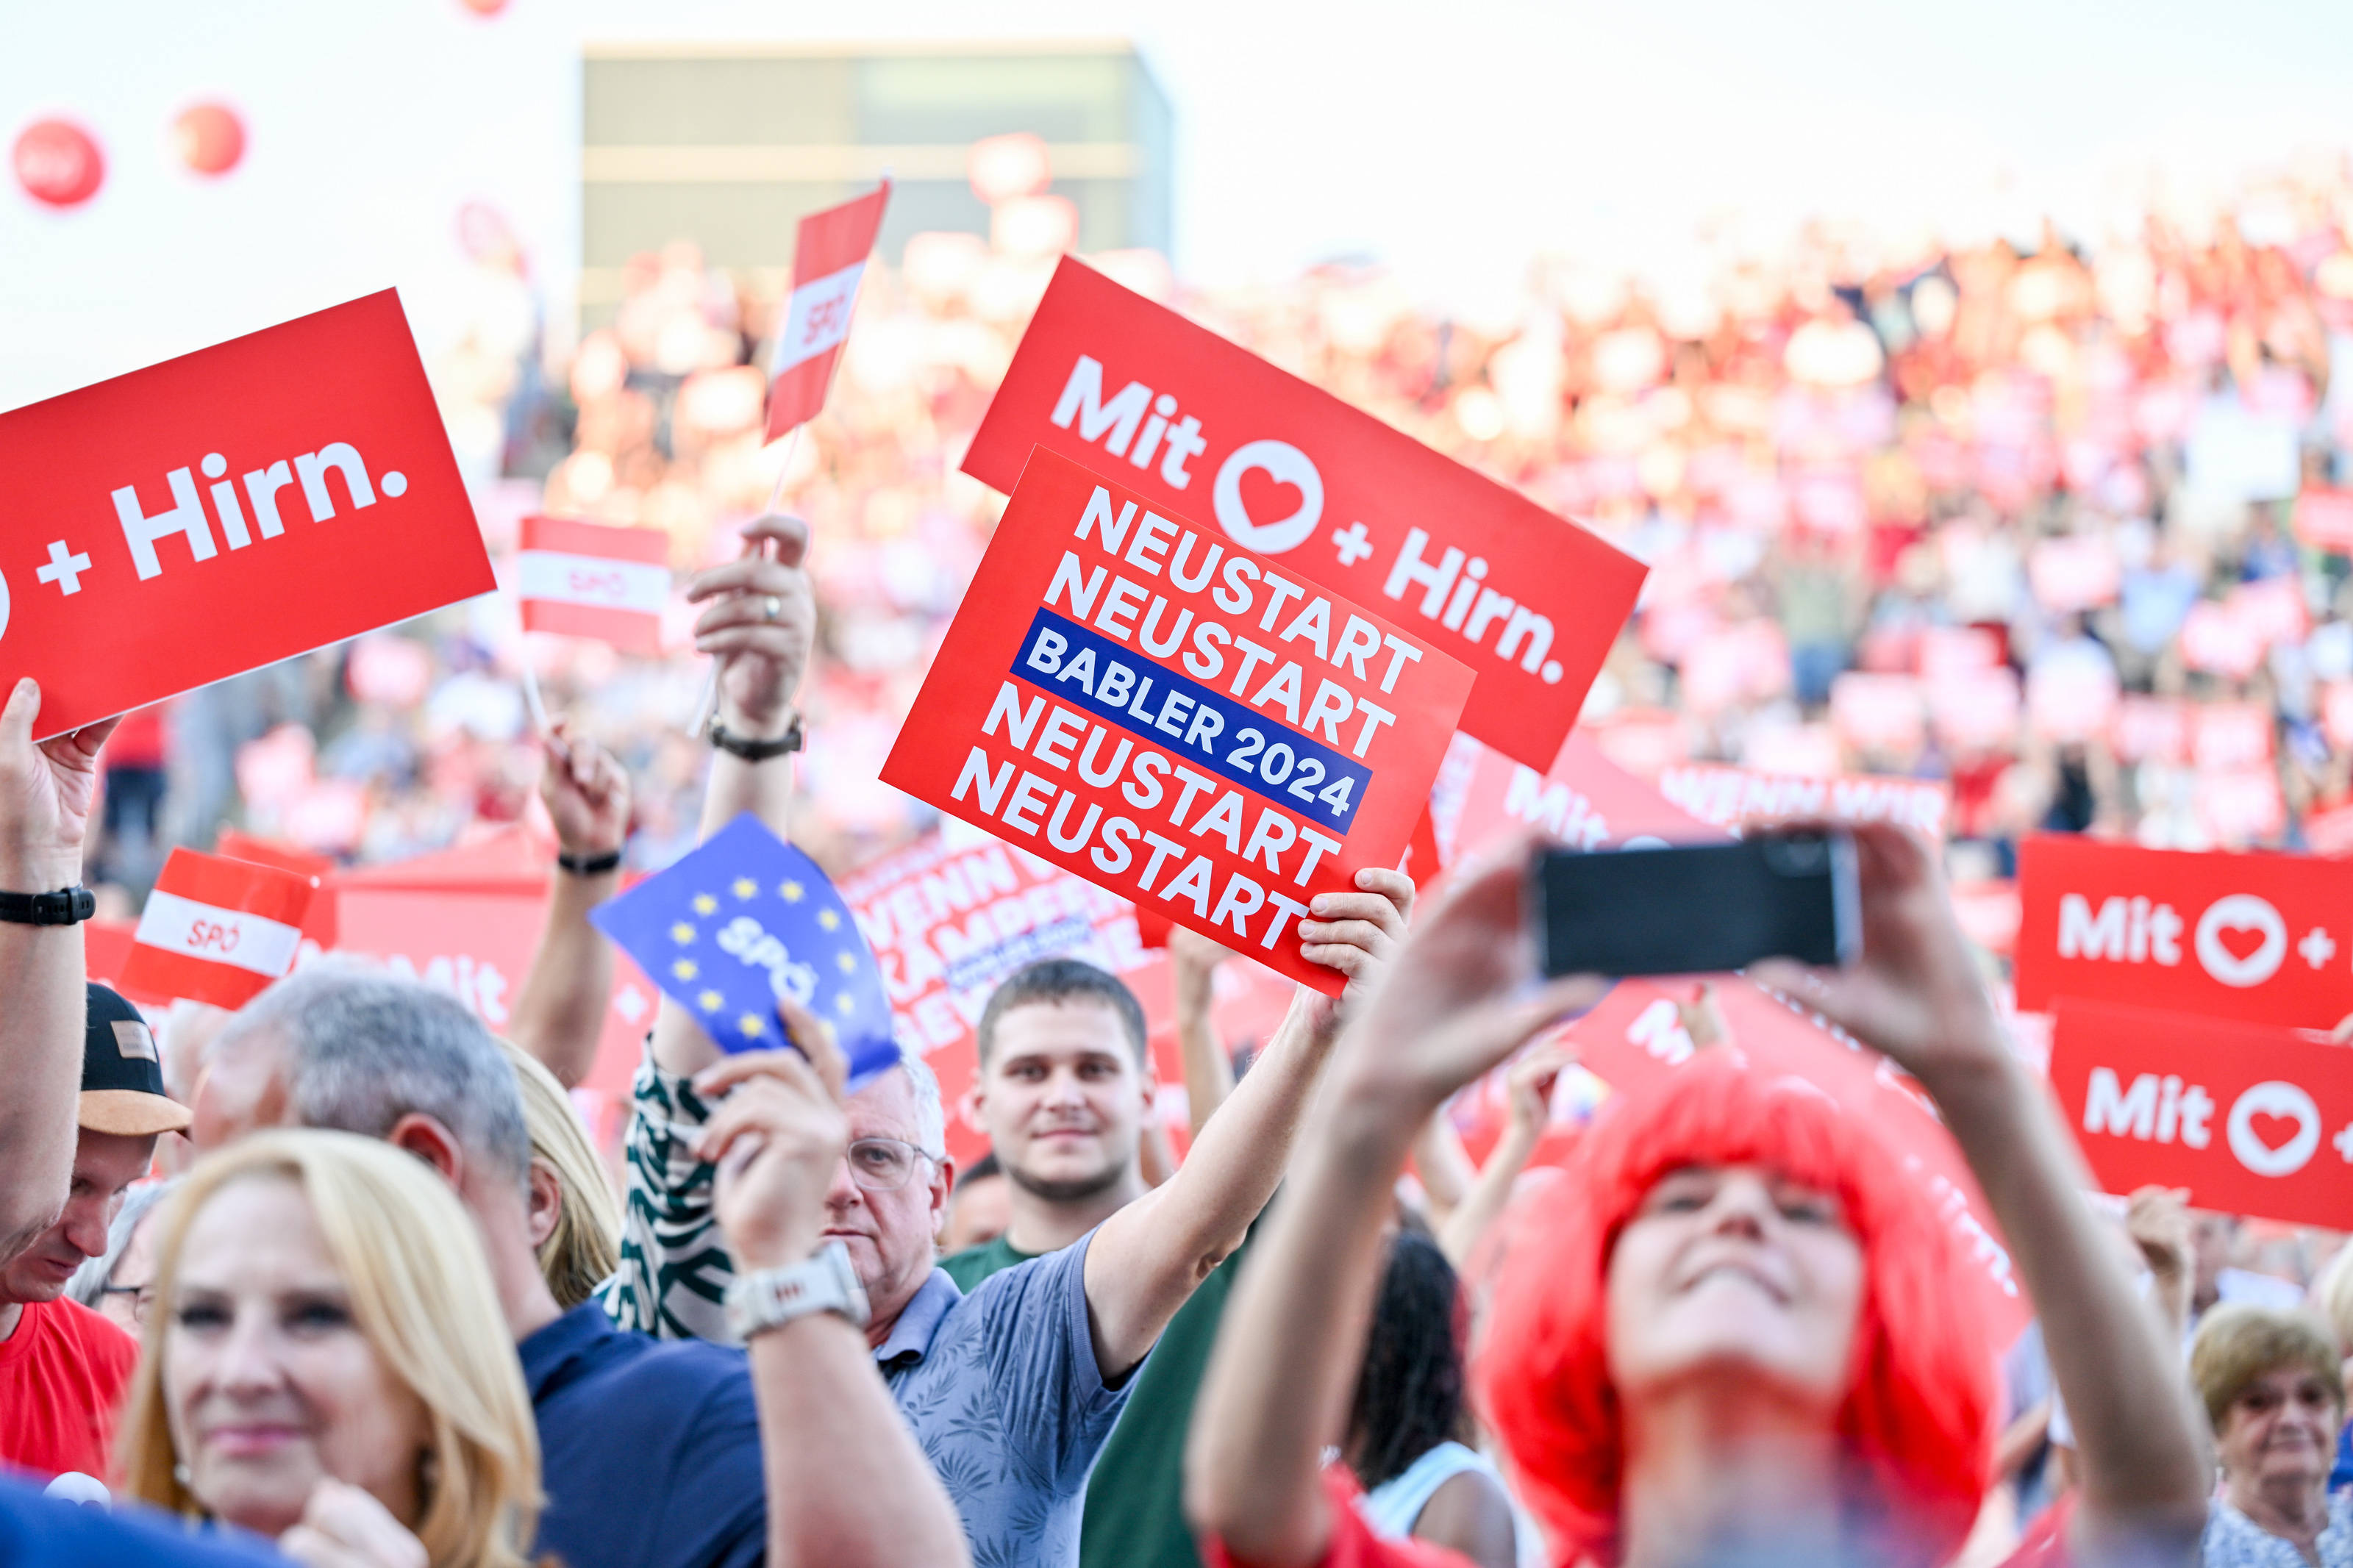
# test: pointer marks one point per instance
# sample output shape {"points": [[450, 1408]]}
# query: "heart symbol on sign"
{"points": [[2273, 1131], [2241, 942], [1267, 500]]}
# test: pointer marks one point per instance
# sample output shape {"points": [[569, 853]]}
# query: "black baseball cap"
{"points": [[123, 1073]]}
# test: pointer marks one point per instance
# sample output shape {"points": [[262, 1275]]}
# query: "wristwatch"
{"points": [[590, 865], [65, 907], [774, 1297], [752, 751]]}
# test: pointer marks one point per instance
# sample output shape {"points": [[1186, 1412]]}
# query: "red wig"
{"points": [[1918, 1419]]}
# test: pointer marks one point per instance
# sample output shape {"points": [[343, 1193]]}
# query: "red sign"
{"points": [[225, 510], [586, 579], [1737, 798], [2323, 520], [1176, 720], [2265, 938], [829, 257], [216, 930], [1585, 801], [2252, 1119], [1338, 498]]}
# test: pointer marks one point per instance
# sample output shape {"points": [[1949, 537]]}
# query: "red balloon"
{"points": [[59, 163], [210, 138], [484, 7]]}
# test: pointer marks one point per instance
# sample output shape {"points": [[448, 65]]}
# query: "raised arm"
{"points": [[1148, 1258], [1278, 1387], [560, 1011], [46, 791], [1531, 1081], [1917, 996], [759, 622], [1193, 960], [847, 1484]]}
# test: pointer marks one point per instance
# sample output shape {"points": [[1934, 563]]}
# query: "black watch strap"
{"points": [[590, 865], [67, 906], [752, 751]]}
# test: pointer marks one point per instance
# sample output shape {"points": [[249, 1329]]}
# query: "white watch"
{"points": [[774, 1297]]}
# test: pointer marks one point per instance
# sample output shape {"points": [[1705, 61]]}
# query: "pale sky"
{"points": [[1453, 142]]}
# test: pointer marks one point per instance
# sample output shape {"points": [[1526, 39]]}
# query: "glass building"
{"points": [[729, 145]]}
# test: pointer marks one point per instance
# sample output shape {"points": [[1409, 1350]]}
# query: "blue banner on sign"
{"points": [[1198, 725], [742, 919]]}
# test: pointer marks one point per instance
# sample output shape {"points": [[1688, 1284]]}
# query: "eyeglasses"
{"points": [[883, 1164], [143, 1299]]}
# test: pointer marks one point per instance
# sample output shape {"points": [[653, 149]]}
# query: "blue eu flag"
{"points": [[744, 920]]}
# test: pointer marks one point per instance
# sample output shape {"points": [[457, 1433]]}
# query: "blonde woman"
{"points": [[327, 1365], [583, 1249]]}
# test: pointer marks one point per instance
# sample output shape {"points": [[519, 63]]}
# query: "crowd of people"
{"points": [[2054, 522]]}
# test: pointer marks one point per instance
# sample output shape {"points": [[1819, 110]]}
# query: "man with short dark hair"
{"points": [[977, 1208], [63, 1368]]}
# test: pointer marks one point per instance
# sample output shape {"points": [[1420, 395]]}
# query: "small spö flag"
{"points": [[744, 920], [586, 579], [828, 257], [216, 930]]}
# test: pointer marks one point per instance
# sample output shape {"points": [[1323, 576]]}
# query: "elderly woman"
{"points": [[2276, 1394], [326, 1363]]}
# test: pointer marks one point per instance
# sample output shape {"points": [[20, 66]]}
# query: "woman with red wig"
{"points": [[1738, 1333]]}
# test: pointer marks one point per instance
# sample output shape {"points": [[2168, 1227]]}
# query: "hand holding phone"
{"points": [[1699, 908]]}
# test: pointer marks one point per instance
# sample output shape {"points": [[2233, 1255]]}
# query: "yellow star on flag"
{"points": [[685, 969], [744, 887], [709, 1000], [828, 920], [681, 933], [849, 964], [792, 892], [843, 1004], [753, 1026], [705, 904]]}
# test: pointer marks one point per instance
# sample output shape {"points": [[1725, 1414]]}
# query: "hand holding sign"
{"points": [[1355, 933], [776, 1137], [587, 792], [46, 793]]}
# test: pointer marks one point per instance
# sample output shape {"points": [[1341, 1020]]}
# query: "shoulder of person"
{"points": [[94, 1333]]}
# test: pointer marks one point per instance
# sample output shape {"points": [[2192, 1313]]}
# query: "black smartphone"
{"points": [[1696, 909]]}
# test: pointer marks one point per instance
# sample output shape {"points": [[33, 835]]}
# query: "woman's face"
{"points": [[2282, 1429], [268, 1382], [1733, 1268]]}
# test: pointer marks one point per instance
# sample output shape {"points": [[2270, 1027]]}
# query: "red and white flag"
{"points": [[829, 257], [586, 579], [216, 930]]}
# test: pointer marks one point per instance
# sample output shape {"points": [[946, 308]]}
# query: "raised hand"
{"points": [[1529, 1085], [45, 791], [1459, 995], [1357, 934], [1914, 994], [777, 1137], [586, 792], [759, 622]]}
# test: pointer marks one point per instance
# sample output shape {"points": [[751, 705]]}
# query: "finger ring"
{"points": [[771, 608]]}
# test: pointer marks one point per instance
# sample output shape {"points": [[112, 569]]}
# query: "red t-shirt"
{"points": [[62, 1376]]}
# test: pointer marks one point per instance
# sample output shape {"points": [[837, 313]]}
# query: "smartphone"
{"points": [[1697, 908]]}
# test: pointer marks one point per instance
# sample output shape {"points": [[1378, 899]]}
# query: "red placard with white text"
{"points": [[1742, 798], [1197, 425], [216, 930], [2252, 1119], [1174, 719], [2264, 938], [1585, 801], [225, 510], [586, 580]]}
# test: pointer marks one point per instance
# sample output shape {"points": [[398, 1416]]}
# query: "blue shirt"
{"points": [[650, 1449], [1003, 1393], [41, 1533]]}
